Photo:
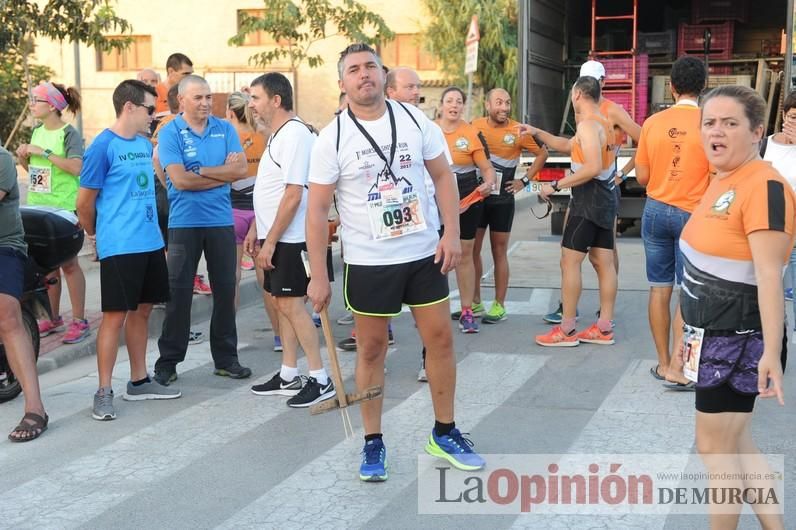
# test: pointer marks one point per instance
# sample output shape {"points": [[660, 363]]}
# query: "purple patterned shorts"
{"points": [[733, 360]]}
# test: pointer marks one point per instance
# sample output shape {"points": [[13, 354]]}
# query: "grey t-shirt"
{"points": [[11, 232]]}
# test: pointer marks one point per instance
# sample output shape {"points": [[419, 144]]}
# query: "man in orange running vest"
{"points": [[590, 225], [623, 126]]}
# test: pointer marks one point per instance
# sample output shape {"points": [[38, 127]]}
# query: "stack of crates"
{"points": [[618, 74], [703, 11], [691, 41], [661, 45]]}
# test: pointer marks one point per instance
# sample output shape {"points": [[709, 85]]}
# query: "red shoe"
{"points": [[593, 335], [199, 285], [557, 337]]}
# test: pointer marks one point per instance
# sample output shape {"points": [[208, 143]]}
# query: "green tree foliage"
{"points": [[297, 26], [86, 21], [497, 49], [22, 21], [15, 96]]}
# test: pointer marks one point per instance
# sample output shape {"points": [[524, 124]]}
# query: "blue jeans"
{"points": [[661, 225]]}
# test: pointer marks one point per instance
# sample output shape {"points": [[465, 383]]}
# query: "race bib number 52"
{"points": [[395, 214], [40, 179]]}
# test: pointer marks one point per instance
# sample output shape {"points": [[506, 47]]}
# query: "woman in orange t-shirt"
{"points": [[734, 247], [468, 155]]}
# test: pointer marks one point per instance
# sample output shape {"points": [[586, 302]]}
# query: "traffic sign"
{"points": [[471, 60], [471, 42], [472, 32]]}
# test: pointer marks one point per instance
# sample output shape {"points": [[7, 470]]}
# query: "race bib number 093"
{"points": [[395, 214]]}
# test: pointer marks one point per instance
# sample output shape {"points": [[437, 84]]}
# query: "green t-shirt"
{"points": [[50, 185], [11, 231]]}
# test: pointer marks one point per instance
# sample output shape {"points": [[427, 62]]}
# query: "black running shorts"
{"points": [[580, 234], [381, 290], [127, 280], [498, 215], [288, 277]]}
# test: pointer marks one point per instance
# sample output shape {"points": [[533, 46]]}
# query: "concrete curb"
{"points": [[201, 310]]}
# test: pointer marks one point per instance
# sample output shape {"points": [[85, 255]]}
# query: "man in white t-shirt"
{"points": [[373, 154], [280, 205]]}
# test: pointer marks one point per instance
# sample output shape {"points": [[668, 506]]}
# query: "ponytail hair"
{"points": [[238, 103], [72, 97]]}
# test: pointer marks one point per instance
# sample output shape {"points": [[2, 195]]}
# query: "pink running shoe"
{"points": [[77, 332], [199, 285], [48, 327]]}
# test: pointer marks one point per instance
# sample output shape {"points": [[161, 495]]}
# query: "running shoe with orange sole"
{"points": [[593, 335], [556, 337]]}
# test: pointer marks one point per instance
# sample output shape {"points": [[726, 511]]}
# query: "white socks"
{"points": [[320, 376], [288, 373]]}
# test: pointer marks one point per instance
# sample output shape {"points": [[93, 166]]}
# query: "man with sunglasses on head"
{"points": [[116, 201]]}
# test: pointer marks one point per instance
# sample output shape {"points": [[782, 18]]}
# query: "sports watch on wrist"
{"points": [[47, 153], [525, 180], [554, 184]]}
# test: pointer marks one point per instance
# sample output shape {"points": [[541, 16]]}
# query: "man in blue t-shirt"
{"points": [[201, 155], [116, 201]]}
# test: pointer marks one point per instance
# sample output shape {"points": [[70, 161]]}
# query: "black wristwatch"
{"points": [[47, 153], [554, 184], [525, 180]]}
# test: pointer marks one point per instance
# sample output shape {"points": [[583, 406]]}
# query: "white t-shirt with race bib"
{"points": [[289, 147], [385, 217]]}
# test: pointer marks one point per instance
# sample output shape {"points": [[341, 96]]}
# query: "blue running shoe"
{"points": [[789, 294], [316, 319], [374, 462], [556, 316], [456, 449]]}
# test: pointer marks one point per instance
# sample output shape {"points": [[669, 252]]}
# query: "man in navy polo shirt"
{"points": [[201, 156]]}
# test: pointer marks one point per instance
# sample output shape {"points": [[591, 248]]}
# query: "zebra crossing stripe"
{"points": [[629, 420], [68, 496], [330, 483]]}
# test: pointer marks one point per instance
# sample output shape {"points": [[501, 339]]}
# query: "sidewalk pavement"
{"points": [[53, 353]]}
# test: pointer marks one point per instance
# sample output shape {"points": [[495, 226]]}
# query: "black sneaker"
{"points": [[234, 370], [312, 393], [278, 387], [349, 344], [165, 377]]}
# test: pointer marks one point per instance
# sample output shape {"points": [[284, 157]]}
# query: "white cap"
{"points": [[592, 69]]}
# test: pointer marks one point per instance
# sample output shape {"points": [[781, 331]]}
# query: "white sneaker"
{"points": [[421, 376], [346, 320]]}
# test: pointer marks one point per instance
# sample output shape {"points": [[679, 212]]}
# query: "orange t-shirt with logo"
{"points": [[619, 137], [504, 142], [754, 197], [671, 147], [253, 146], [465, 148]]}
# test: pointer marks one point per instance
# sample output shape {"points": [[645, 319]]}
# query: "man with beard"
{"points": [[504, 145], [374, 155], [280, 206]]}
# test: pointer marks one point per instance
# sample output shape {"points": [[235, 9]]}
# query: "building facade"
{"points": [[201, 29]]}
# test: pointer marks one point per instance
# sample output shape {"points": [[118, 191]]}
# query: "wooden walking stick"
{"points": [[342, 400]]}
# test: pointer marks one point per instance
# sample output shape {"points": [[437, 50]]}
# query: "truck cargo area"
{"points": [[743, 43]]}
